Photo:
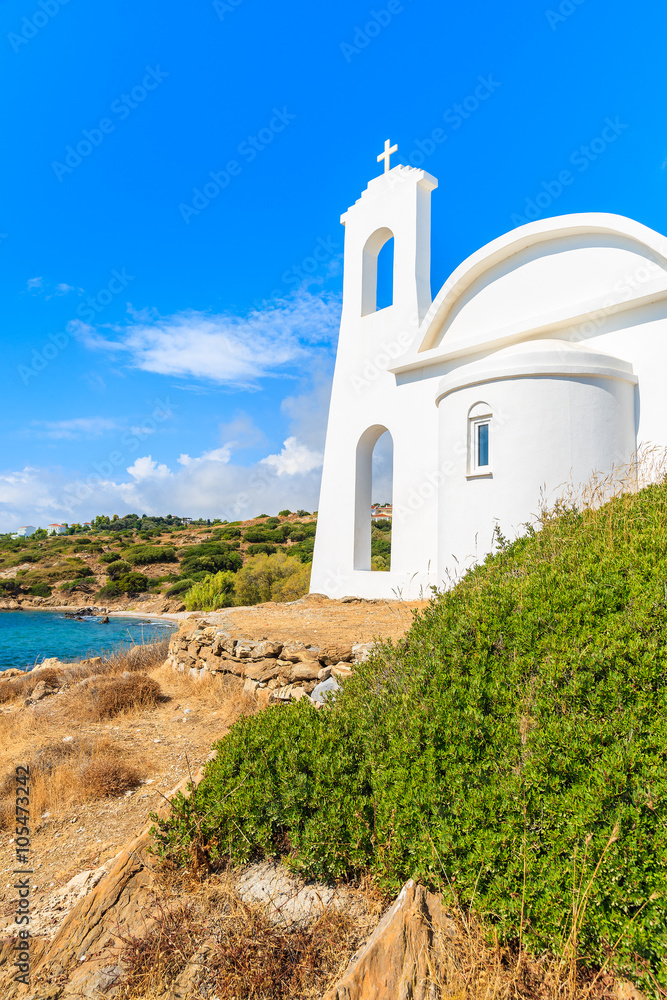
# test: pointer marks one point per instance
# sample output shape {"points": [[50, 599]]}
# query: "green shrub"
{"points": [[284, 513], [144, 555], [271, 578], [261, 548], [40, 590], [117, 569], [510, 748], [380, 563], [215, 591], [109, 590], [132, 584], [180, 587], [303, 551], [226, 534], [109, 557], [209, 557]]}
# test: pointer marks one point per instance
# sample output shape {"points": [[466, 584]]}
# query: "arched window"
{"points": [[377, 294], [479, 440], [374, 477]]}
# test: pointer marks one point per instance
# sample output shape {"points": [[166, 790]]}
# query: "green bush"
{"points": [[271, 578], [215, 591], [284, 513], [261, 548], [209, 557], [117, 569], [180, 587], [40, 590], [144, 555], [226, 534], [510, 748], [132, 583], [303, 551], [108, 590], [109, 557]]}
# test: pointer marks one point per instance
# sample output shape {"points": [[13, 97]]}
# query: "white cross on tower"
{"points": [[388, 150]]}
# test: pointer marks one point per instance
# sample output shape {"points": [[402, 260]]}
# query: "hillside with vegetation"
{"points": [[205, 565], [510, 751]]}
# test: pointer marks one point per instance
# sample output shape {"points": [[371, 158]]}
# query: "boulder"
{"points": [[223, 644], [268, 649], [406, 955], [296, 652], [361, 651], [325, 690], [341, 671], [40, 691], [307, 671], [290, 692], [335, 654], [262, 671]]}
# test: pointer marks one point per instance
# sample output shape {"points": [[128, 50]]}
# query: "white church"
{"points": [[539, 362]]}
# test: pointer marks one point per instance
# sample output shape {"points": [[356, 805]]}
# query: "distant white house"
{"points": [[25, 530], [380, 513], [56, 529]]}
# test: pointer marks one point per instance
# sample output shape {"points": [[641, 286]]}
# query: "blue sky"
{"points": [[166, 351]]}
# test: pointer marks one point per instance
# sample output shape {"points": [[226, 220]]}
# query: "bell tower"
{"points": [[396, 205]]}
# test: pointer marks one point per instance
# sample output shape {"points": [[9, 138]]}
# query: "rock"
{"points": [[287, 900], [335, 654], [296, 652], [244, 650], [350, 600], [268, 649], [406, 955], [104, 620], [53, 910], [11, 672], [301, 671], [262, 671], [40, 691], [324, 674], [341, 671], [362, 650], [325, 690], [223, 644]]}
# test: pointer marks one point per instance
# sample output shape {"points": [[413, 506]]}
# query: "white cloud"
{"points": [[146, 468], [38, 285], [223, 348], [208, 485], [294, 458], [76, 428], [216, 455]]}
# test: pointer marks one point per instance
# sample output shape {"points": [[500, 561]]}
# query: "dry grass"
{"points": [[475, 966], [114, 695], [67, 774], [214, 944]]}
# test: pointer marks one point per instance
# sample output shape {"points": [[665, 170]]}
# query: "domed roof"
{"points": [[537, 358]]}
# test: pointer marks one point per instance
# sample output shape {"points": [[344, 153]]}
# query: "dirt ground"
{"points": [[318, 621]]}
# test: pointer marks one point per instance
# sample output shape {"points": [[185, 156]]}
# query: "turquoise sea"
{"points": [[27, 637]]}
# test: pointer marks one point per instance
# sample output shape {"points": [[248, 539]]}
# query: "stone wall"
{"points": [[274, 669]]}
